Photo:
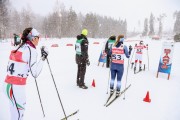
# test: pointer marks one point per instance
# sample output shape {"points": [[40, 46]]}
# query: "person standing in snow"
{"points": [[139, 52], [82, 57], [22, 60], [109, 44], [17, 39], [118, 52]]}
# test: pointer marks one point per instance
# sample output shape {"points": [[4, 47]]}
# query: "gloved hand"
{"points": [[130, 49], [44, 52], [88, 62]]}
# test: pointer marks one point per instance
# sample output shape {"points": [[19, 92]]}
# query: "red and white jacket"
{"points": [[21, 63], [139, 49]]}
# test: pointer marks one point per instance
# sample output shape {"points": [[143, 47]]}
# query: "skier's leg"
{"points": [[140, 62], [113, 76], [82, 76], [108, 60], [16, 95], [136, 60], [78, 75], [119, 77]]}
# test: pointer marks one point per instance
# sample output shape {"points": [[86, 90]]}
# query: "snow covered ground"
{"points": [[164, 94]]}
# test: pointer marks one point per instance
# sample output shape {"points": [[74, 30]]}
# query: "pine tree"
{"points": [[177, 23], [4, 21], [145, 31], [151, 25]]}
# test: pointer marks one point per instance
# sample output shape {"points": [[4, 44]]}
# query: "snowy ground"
{"points": [[164, 94]]}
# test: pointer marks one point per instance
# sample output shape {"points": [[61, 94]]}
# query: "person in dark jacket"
{"points": [[118, 52], [82, 58], [108, 46], [17, 39]]}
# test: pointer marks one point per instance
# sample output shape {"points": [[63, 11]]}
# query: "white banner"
{"points": [[165, 62]]}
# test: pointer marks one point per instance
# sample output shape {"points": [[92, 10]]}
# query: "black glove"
{"points": [[147, 46], [130, 49], [88, 62], [44, 52]]}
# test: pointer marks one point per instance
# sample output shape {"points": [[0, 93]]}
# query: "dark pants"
{"points": [[80, 74], [108, 61]]}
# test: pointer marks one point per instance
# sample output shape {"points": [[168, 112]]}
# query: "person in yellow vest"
{"points": [[22, 60], [82, 57]]}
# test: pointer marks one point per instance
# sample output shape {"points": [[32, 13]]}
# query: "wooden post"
{"points": [[103, 65], [168, 76], [157, 74]]}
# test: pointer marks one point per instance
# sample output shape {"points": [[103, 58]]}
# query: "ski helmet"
{"points": [[84, 32]]}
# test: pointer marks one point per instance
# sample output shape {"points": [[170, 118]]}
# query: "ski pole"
{"points": [[126, 78], [148, 58], [56, 89], [108, 80], [36, 84], [39, 97], [132, 56]]}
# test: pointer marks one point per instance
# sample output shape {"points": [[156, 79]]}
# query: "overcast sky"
{"points": [[131, 10]]}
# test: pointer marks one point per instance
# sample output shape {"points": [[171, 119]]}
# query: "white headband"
{"points": [[33, 34]]}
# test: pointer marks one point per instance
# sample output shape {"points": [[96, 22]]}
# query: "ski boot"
{"points": [[83, 86], [117, 93], [111, 91]]}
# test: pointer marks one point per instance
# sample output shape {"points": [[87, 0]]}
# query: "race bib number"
{"points": [[139, 50], [118, 58], [78, 48], [17, 69]]}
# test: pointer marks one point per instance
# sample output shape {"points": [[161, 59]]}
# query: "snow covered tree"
{"points": [[177, 22], [151, 25], [160, 19], [4, 21], [145, 31], [72, 23], [91, 24]]}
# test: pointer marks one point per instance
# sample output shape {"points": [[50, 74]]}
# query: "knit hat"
{"points": [[84, 32], [32, 34]]}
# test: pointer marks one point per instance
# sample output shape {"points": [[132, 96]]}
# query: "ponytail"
{"points": [[118, 39], [24, 37]]}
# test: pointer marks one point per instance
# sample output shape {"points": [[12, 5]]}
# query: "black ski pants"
{"points": [[81, 74]]}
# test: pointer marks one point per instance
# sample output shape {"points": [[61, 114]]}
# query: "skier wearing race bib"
{"points": [[22, 60], [82, 58], [108, 46], [138, 56], [118, 52]]}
